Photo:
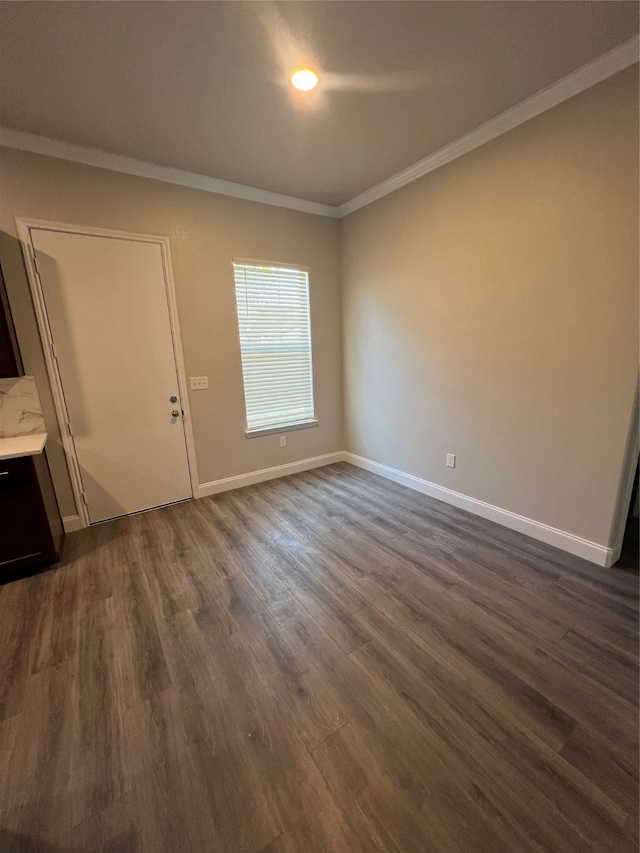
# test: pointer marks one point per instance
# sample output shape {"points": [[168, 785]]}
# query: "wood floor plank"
{"points": [[533, 770], [326, 663], [469, 662]]}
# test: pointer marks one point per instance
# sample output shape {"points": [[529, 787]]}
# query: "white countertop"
{"points": [[22, 445]]}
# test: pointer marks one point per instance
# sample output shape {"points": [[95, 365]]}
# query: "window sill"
{"points": [[273, 430]]}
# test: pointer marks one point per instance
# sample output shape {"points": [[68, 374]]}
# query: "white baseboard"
{"points": [[613, 555], [592, 551], [71, 523], [600, 554], [225, 485]]}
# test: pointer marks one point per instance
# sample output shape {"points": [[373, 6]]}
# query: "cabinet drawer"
{"points": [[25, 538]]}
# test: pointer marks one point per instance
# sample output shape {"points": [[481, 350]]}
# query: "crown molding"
{"points": [[589, 75], [10, 138]]}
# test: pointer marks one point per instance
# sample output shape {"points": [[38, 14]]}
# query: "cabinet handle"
{"points": [[4, 473]]}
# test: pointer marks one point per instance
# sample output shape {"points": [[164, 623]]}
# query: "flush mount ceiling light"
{"points": [[304, 79]]}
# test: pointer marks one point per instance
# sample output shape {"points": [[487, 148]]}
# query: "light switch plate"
{"points": [[451, 460], [198, 383]]}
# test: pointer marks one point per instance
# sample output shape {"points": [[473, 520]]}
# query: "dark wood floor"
{"points": [[327, 662]]}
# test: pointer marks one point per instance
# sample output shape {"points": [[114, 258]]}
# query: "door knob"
{"points": [[173, 399], [175, 413]]}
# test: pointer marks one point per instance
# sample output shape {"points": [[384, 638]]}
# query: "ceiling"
{"points": [[204, 86]]}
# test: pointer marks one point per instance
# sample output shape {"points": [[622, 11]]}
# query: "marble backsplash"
{"points": [[20, 408]]}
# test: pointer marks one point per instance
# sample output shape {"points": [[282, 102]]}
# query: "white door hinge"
{"points": [[34, 258]]}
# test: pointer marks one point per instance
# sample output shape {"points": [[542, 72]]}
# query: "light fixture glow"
{"points": [[304, 79]]}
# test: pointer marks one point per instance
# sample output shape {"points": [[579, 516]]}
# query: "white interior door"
{"points": [[106, 301]]}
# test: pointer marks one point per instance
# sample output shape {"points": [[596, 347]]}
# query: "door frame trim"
{"points": [[24, 226]]}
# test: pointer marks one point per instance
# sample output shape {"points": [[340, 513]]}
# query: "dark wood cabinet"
{"points": [[10, 360], [31, 531], [26, 538]]}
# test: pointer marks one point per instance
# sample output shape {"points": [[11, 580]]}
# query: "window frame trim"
{"points": [[286, 426]]}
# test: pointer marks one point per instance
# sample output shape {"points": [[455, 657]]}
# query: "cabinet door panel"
{"points": [[10, 363], [24, 531]]}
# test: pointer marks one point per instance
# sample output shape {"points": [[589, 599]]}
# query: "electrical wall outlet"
{"points": [[283, 441], [451, 460], [199, 383]]}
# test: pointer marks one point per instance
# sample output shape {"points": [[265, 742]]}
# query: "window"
{"points": [[275, 343]]}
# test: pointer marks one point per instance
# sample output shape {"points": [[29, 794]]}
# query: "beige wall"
{"points": [[491, 311], [206, 232]]}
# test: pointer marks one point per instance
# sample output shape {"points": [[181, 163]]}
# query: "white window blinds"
{"points": [[275, 342]]}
